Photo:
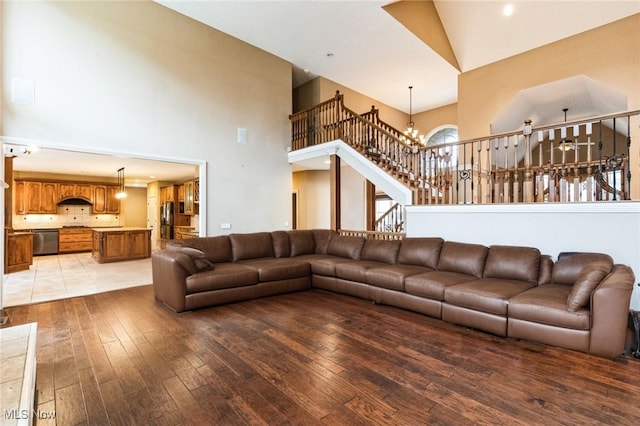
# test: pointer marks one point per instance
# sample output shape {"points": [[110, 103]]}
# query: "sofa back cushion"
{"points": [[302, 242], [322, 238], [420, 252], [513, 263], [463, 258], [251, 246], [345, 246], [280, 243], [569, 266], [215, 249], [380, 250], [546, 267]]}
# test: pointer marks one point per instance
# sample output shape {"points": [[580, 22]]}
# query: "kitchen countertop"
{"points": [[120, 229]]}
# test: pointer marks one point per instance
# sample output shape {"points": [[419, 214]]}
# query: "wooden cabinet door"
{"points": [[138, 244], [181, 193], [66, 190], [84, 190], [99, 199], [112, 203], [188, 197], [20, 197], [114, 245], [33, 193], [49, 198]]}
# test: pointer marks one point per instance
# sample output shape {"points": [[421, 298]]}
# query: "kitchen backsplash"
{"points": [[67, 216]]}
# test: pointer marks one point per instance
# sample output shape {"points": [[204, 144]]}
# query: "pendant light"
{"points": [[121, 192], [411, 132]]}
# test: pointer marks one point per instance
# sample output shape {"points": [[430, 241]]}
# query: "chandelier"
{"points": [[411, 132]]}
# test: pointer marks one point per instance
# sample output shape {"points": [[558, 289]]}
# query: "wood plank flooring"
{"points": [[306, 358]]}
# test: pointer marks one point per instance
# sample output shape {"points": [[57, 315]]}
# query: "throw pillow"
{"points": [[197, 257], [586, 282]]}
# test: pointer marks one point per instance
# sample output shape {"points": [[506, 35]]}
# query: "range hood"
{"points": [[74, 202]]}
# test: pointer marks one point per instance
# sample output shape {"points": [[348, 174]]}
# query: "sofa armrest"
{"points": [[610, 312], [169, 278]]}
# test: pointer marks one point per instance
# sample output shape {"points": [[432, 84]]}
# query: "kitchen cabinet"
{"points": [[18, 251], [74, 240], [104, 199], [75, 190], [118, 244], [190, 205], [181, 193], [168, 194], [36, 197]]}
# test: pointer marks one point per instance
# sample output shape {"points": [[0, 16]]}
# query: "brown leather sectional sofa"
{"points": [[580, 301]]}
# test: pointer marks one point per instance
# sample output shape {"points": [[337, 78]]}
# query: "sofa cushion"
{"points": [[345, 246], [392, 276], [420, 251], [251, 246], [278, 269], [380, 250], [225, 275], [569, 266], [547, 304], [463, 258], [586, 282], [355, 270], [513, 263], [322, 238], [216, 249], [489, 295], [326, 264], [432, 284], [280, 241], [546, 268], [302, 242]]}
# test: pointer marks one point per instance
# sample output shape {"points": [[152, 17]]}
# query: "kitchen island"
{"points": [[118, 244]]}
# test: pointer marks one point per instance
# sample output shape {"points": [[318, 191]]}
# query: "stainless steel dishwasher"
{"points": [[45, 241]]}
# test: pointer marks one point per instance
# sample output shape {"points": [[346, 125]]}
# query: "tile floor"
{"points": [[69, 275]]}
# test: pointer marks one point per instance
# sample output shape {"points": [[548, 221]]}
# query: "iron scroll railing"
{"points": [[582, 160]]}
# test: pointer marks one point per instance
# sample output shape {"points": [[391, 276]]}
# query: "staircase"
{"points": [[513, 167], [380, 143]]}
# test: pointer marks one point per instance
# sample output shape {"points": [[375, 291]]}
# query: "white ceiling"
{"points": [[371, 52], [138, 171]]}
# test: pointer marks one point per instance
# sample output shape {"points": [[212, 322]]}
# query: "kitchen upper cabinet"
{"points": [[36, 197], [104, 199], [75, 190], [190, 205], [181, 193]]}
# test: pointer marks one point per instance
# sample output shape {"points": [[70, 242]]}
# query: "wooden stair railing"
{"points": [[392, 220], [511, 167]]}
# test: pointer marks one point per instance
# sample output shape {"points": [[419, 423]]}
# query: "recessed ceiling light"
{"points": [[507, 10]]}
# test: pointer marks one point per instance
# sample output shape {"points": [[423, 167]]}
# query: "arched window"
{"points": [[447, 133], [442, 134]]}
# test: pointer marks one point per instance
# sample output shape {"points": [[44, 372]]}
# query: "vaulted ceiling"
{"points": [[379, 48]]}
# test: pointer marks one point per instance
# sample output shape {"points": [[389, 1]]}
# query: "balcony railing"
{"points": [[582, 160]]}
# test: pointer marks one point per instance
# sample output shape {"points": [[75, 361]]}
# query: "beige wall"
{"points": [[427, 121], [140, 79], [313, 198], [354, 199], [133, 209]]}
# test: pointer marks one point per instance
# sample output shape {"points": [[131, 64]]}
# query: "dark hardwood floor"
{"points": [[120, 358]]}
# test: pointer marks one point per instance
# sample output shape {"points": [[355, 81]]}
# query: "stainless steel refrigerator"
{"points": [[166, 221]]}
